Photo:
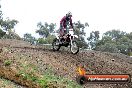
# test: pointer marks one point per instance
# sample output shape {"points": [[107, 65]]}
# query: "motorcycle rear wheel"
{"points": [[56, 46]]}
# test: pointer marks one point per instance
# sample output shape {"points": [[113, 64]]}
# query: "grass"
{"points": [[28, 74], [66, 83], [6, 83], [60, 80], [7, 62], [47, 79]]}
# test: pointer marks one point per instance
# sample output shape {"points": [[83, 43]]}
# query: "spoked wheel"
{"points": [[56, 45], [74, 47]]}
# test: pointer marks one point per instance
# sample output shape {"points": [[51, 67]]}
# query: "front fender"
{"points": [[75, 36]]}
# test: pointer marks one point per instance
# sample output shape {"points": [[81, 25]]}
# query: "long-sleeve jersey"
{"points": [[64, 20]]}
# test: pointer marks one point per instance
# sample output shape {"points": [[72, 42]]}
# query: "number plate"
{"points": [[71, 31]]}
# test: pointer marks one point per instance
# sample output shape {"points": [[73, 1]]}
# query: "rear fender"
{"points": [[57, 36]]}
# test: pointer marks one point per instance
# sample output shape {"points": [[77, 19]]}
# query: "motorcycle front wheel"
{"points": [[74, 47]]}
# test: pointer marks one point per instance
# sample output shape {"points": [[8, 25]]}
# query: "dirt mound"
{"points": [[65, 64], [13, 43], [11, 74]]}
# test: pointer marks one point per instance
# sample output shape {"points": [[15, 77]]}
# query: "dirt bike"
{"points": [[70, 40]]}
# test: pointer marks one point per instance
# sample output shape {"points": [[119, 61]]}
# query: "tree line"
{"points": [[114, 41]]}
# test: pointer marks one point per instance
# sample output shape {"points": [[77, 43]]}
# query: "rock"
{"points": [[113, 59]]}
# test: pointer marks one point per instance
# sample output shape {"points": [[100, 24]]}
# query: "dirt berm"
{"points": [[65, 64]]}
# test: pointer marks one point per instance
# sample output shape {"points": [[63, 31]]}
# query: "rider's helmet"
{"points": [[69, 14]]}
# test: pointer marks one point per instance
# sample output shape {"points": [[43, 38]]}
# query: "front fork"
{"points": [[71, 39]]}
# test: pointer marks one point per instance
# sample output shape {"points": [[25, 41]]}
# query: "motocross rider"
{"points": [[63, 24]]}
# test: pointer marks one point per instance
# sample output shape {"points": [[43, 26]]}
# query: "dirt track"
{"points": [[65, 64]]}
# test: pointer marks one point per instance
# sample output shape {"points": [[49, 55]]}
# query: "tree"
{"points": [[94, 36], [107, 47], [43, 30], [29, 38], [51, 27], [82, 43], [129, 35], [124, 44], [48, 40], [2, 33], [11, 35], [79, 30], [8, 24], [1, 18], [46, 29], [41, 41], [105, 39], [115, 41], [0, 14], [115, 34]]}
